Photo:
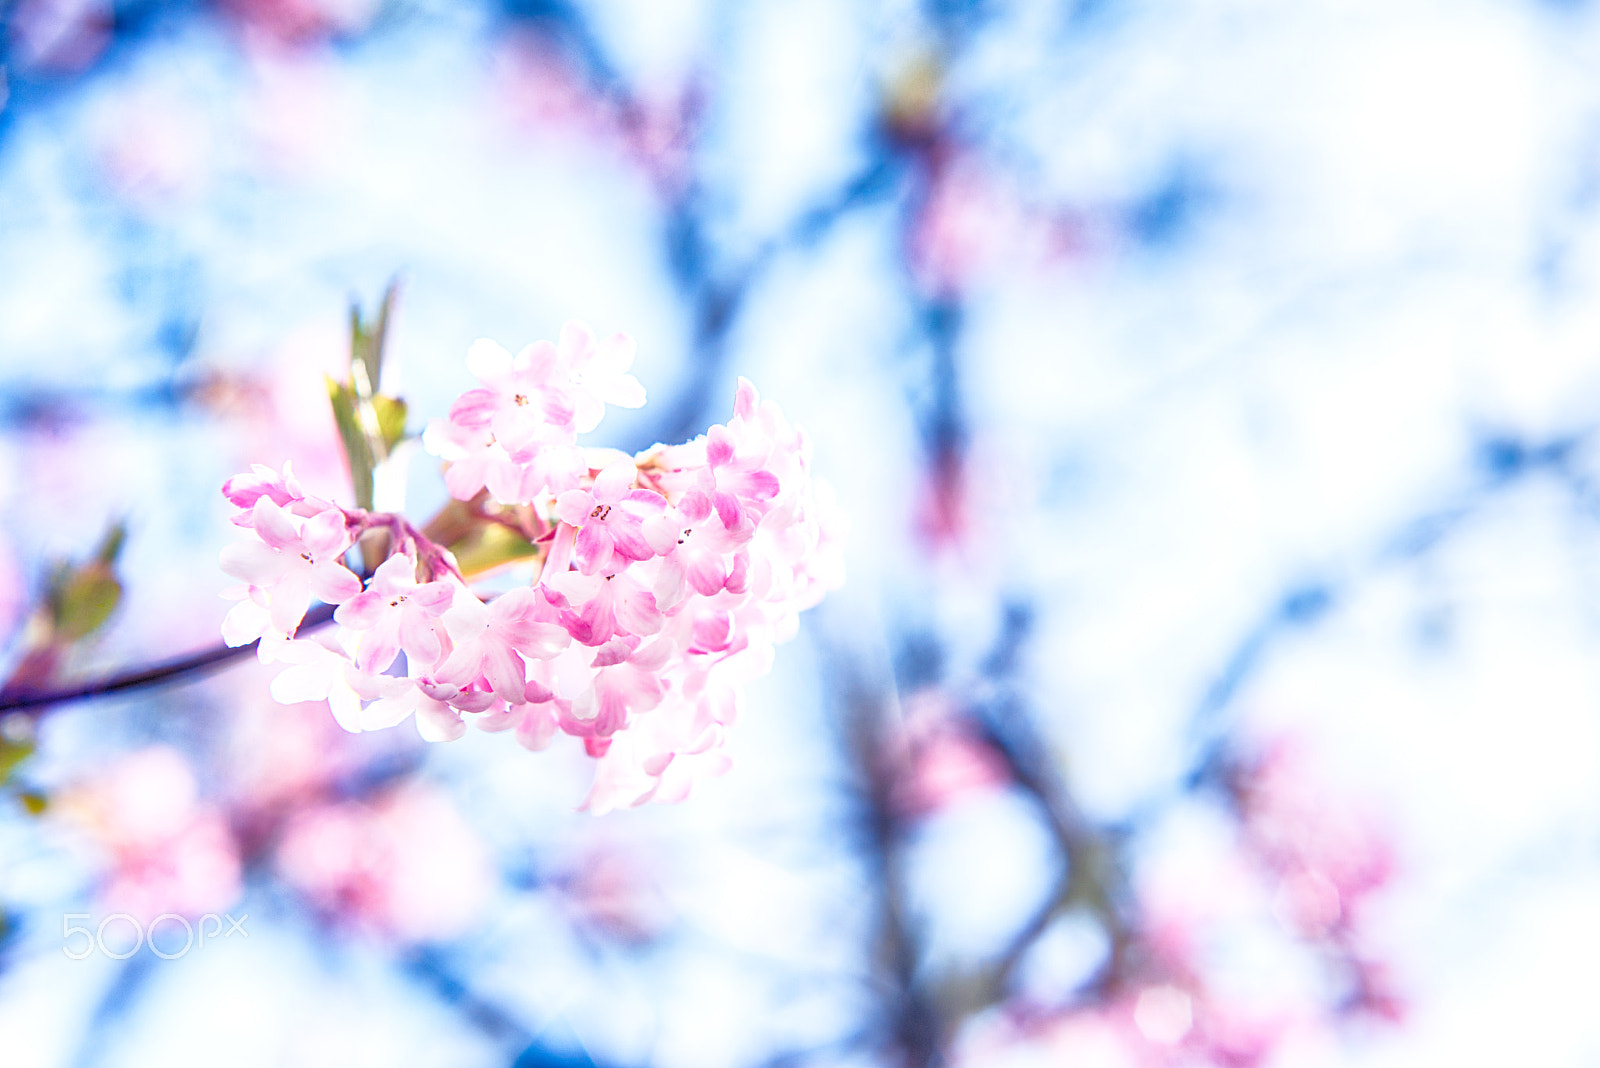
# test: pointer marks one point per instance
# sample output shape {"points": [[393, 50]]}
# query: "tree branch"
{"points": [[180, 669]]}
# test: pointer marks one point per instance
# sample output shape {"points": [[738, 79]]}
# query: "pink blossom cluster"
{"points": [[664, 582]]}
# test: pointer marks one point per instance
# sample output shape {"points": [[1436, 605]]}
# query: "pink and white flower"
{"points": [[396, 612], [666, 581], [609, 518], [598, 372], [597, 608], [293, 561], [521, 400], [490, 640]]}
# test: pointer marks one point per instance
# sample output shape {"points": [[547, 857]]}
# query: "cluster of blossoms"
{"points": [[664, 579]]}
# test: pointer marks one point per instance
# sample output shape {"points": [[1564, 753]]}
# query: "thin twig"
{"points": [[181, 669]]}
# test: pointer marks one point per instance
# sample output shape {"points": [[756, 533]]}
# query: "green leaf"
{"points": [[86, 601], [367, 341], [391, 412], [111, 545], [370, 424], [81, 598], [13, 753], [489, 547], [357, 449]]}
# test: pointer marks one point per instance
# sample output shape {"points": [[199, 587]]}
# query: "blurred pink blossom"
{"points": [[611, 890], [405, 866], [1327, 858], [282, 755], [281, 414], [284, 24], [542, 89], [156, 147], [303, 112], [941, 758], [167, 851], [973, 221]]}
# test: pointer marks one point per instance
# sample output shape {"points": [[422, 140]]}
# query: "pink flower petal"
{"points": [[325, 534], [728, 510], [761, 485], [615, 651], [387, 712], [398, 572], [419, 636], [514, 605], [362, 611], [638, 613], [437, 723], [537, 728], [538, 361], [739, 574], [489, 362], [433, 597], [473, 701], [506, 672], [628, 540], [474, 408], [273, 526], [645, 502], [244, 623], [291, 596], [695, 506], [462, 667], [611, 484], [653, 655], [558, 411], [503, 479], [593, 550], [745, 400], [719, 446], [333, 583], [713, 632], [661, 533], [304, 682], [517, 428], [624, 391], [706, 574], [611, 712], [574, 506], [615, 353], [575, 342], [379, 646], [253, 562], [464, 478]]}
